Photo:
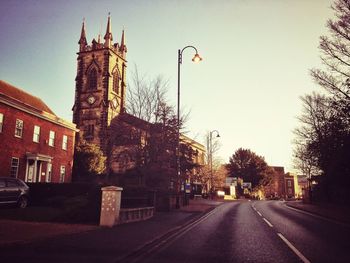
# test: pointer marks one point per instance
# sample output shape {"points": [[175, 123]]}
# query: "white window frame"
{"points": [[1, 121], [64, 142], [52, 138], [14, 168], [62, 173], [49, 173], [36, 134], [19, 128]]}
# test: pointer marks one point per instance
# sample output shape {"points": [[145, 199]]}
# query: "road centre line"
{"points": [[267, 222], [294, 249], [285, 240]]}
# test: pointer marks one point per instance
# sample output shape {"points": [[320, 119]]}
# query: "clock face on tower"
{"points": [[91, 99]]}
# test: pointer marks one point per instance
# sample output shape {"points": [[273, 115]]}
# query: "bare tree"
{"points": [[316, 113], [210, 172], [212, 148], [335, 55], [145, 98], [322, 143]]}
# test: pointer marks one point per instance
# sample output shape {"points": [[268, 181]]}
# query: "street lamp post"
{"points": [[211, 157], [196, 58]]}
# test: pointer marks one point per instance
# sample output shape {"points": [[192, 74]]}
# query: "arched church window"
{"points": [[124, 162], [116, 82], [92, 83], [89, 132]]}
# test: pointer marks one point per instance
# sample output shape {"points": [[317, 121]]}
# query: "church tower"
{"points": [[100, 85]]}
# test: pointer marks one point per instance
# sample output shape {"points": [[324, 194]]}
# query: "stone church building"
{"points": [[100, 93]]}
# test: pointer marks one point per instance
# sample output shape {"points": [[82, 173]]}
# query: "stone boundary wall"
{"points": [[112, 214], [128, 215]]}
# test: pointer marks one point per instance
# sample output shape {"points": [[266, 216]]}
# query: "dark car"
{"points": [[13, 191]]}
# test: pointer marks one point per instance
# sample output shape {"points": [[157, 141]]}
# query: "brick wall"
{"points": [[11, 146]]}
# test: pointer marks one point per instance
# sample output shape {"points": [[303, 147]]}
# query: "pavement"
{"points": [[13, 232], [339, 213]]}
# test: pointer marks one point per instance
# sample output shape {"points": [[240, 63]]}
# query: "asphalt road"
{"points": [[257, 231], [239, 231]]}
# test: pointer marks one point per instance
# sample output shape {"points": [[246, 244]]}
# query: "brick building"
{"points": [[289, 186], [282, 185], [35, 144]]}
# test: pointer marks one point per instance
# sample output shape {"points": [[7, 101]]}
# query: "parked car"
{"points": [[14, 191]]}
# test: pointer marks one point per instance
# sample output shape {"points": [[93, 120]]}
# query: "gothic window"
{"points": [[116, 82], [124, 162], [92, 79], [89, 132]]}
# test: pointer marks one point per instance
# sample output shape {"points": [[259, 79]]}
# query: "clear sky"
{"points": [[256, 59]]}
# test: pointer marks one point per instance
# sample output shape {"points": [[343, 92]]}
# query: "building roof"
{"points": [[145, 125], [134, 121], [278, 169], [26, 102], [192, 142], [23, 97]]}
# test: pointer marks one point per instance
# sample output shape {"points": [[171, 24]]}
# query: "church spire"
{"points": [[82, 41], [108, 36]]}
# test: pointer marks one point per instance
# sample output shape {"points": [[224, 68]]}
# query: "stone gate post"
{"points": [[110, 206]]}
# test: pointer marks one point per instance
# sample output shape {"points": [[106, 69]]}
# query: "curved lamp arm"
{"points": [[196, 57]]}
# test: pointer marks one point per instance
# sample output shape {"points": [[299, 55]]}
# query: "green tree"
{"points": [[247, 165], [89, 161]]}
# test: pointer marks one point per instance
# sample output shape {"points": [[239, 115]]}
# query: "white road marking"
{"points": [[267, 222], [295, 250], [259, 213]]}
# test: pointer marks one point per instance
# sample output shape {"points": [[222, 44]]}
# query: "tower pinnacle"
{"points": [[123, 48], [82, 41], [108, 36]]}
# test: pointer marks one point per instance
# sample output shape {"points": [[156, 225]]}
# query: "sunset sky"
{"points": [[256, 59]]}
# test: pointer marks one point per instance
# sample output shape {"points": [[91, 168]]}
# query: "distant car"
{"points": [[14, 191]]}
